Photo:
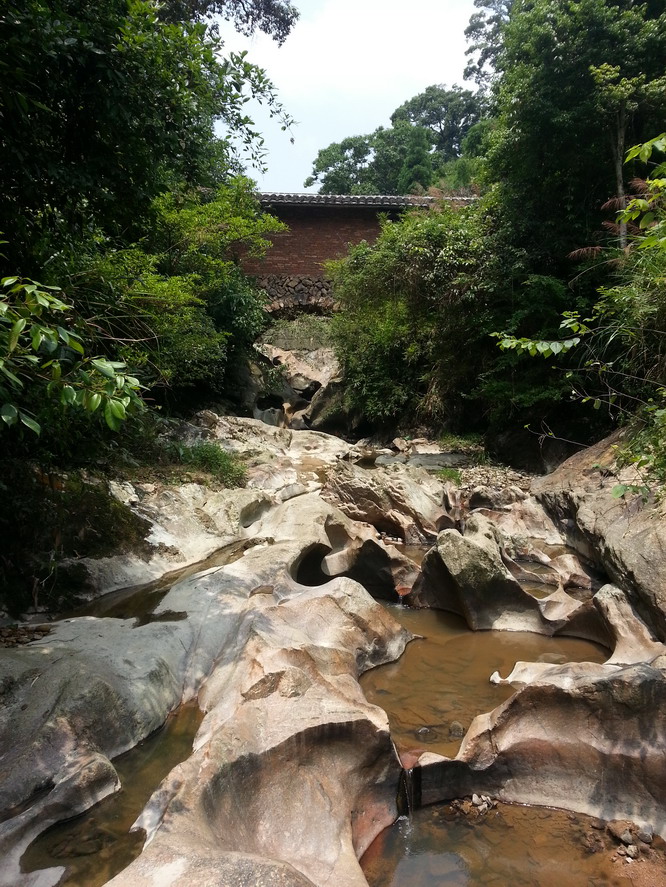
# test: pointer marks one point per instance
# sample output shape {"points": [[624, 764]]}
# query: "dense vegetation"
{"points": [[124, 214], [566, 88], [119, 195], [423, 146]]}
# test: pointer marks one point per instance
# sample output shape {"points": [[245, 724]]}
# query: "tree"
{"points": [[447, 113], [484, 33], [273, 17], [416, 172], [345, 167], [102, 108], [409, 301], [550, 156], [618, 99], [42, 358]]}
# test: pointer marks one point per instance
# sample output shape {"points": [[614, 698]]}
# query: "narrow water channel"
{"points": [[439, 684], [98, 844]]}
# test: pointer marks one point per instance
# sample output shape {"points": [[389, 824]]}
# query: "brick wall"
{"points": [[316, 233]]}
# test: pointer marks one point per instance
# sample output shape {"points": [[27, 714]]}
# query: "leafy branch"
{"points": [[42, 351]]}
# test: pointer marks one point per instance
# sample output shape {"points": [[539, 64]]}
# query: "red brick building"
{"points": [[321, 226]]}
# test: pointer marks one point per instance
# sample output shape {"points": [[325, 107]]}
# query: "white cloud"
{"points": [[347, 65]]}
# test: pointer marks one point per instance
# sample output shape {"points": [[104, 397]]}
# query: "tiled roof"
{"points": [[389, 200]]}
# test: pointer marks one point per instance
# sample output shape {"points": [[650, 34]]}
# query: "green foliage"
{"points": [[178, 309], [452, 475], [408, 303], [622, 350], [484, 34], [461, 443], [43, 357], [428, 130], [47, 517], [416, 172], [209, 457], [449, 114], [564, 112], [104, 106], [306, 332], [273, 17]]}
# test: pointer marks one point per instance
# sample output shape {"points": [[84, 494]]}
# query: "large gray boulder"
{"points": [[623, 536], [467, 575]]}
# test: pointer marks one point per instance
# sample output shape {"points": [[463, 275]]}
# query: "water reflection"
{"points": [[434, 691], [97, 845], [511, 845]]}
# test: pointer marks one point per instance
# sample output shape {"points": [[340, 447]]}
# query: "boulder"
{"points": [[624, 537], [495, 498], [305, 371], [403, 503], [466, 575], [584, 738], [186, 524]]}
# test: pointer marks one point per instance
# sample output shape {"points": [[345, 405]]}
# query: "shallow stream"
{"points": [[431, 695], [98, 844], [437, 687], [511, 846]]}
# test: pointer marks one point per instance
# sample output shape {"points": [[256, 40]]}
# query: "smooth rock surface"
{"points": [[406, 503], [623, 536]]}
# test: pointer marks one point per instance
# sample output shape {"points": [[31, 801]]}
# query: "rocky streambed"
{"points": [[293, 773]]}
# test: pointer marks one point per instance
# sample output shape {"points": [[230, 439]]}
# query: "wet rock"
{"points": [[593, 843], [466, 575], [646, 835], [456, 730]]}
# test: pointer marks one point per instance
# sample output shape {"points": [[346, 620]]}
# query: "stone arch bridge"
{"points": [[321, 227]]}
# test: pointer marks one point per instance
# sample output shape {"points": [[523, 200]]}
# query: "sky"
{"points": [[345, 67]]}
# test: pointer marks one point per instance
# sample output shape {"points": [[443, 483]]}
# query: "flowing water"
{"points": [[97, 845], [437, 687]]}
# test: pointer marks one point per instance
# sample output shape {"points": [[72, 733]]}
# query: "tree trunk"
{"points": [[617, 147]]}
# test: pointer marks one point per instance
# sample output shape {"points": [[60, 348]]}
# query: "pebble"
{"points": [[16, 635], [646, 835], [633, 851]]}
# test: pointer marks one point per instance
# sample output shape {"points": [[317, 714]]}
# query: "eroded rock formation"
{"points": [[274, 664], [293, 773]]}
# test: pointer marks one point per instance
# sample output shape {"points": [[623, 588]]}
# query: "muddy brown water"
{"points": [[442, 682], [97, 845], [511, 846]]}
